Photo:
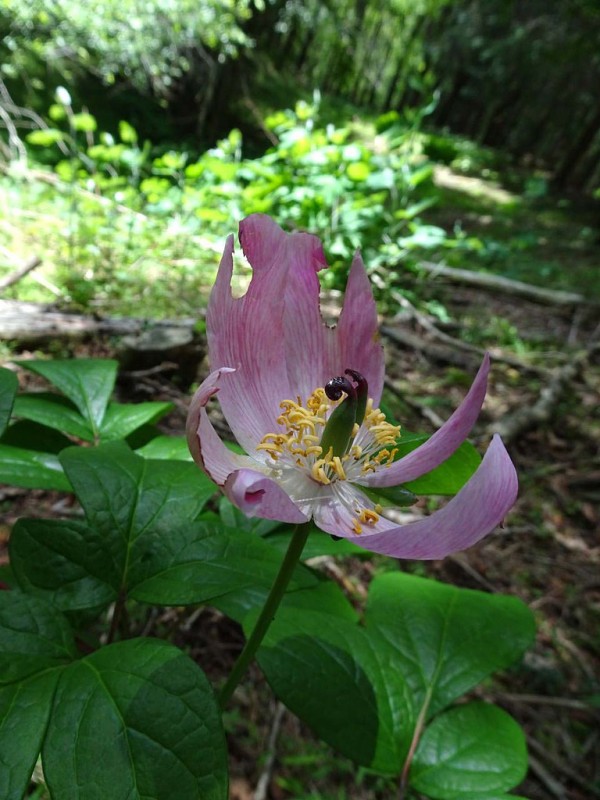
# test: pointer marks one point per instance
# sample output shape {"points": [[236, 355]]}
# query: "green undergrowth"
{"points": [[123, 228]]}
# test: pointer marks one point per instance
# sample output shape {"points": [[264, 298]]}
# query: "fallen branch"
{"points": [[497, 283], [427, 323], [18, 274], [531, 416], [412, 341]]}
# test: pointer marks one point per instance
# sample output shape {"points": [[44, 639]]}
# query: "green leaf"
{"points": [[8, 389], [450, 476], [318, 544], [172, 448], [67, 562], [124, 495], [55, 412], [469, 752], [434, 640], [45, 137], [139, 520], [31, 470], [33, 436], [342, 682], [390, 496], [121, 420], [87, 382], [358, 171], [133, 721], [203, 561], [446, 640], [24, 711], [83, 122], [33, 637]]}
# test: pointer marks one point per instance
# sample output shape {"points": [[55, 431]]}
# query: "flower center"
{"points": [[317, 437]]}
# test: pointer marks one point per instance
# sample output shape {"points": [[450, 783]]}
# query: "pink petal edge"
{"points": [[207, 449], [444, 441], [259, 496], [476, 510]]}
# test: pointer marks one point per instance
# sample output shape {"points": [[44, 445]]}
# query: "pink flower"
{"points": [[273, 356]]}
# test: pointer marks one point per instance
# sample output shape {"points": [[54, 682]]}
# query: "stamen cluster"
{"points": [[297, 445]]}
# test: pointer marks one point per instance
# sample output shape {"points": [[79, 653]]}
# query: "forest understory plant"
{"points": [[115, 716]]}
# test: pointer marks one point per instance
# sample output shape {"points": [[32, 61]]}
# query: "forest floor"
{"points": [[548, 552]]}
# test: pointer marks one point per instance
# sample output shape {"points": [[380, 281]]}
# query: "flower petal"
{"points": [[275, 336], [248, 337], [259, 496], [356, 342], [442, 444], [475, 511], [207, 449]]}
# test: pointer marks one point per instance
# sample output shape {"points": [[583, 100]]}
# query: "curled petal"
{"points": [[259, 496], [207, 449], [476, 510], [444, 441]]}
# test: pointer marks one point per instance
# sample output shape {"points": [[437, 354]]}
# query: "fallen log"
{"points": [[496, 283], [174, 345], [36, 323]]}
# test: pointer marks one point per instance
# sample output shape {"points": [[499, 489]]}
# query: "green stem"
{"points": [[292, 556]]}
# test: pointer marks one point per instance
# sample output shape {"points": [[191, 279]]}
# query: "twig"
{"points": [[262, 787], [541, 699], [558, 763], [20, 273], [554, 787], [424, 411]]}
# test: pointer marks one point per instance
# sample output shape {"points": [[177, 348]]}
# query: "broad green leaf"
{"points": [[87, 382], [124, 494], [55, 412], [65, 561], [31, 470], [202, 561], [133, 721], [172, 448], [469, 752], [8, 389], [120, 419], [34, 637], [446, 640], [139, 514], [33, 436], [342, 682], [24, 711], [441, 640]]}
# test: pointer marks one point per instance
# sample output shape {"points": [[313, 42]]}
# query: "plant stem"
{"points": [[292, 556], [117, 614]]}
